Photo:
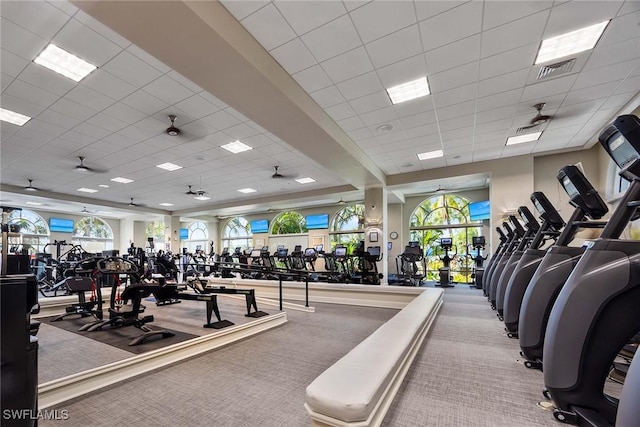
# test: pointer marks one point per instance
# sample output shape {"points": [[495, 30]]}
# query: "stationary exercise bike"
{"points": [[446, 243], [478, 243]]}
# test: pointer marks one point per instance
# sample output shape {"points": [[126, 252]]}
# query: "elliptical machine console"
{"points": [[446, 243]]}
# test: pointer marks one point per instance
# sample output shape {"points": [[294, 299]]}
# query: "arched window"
{"points": [[237, 233], [347, 227], [156, 230], [93, 234], [445, 215], [290, 222], [34, 229], [198, 237]]}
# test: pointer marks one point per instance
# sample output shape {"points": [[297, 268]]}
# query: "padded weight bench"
{"points": [[358, 389]]}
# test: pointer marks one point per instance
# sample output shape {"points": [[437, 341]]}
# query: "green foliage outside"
{"points": [[156, 229], [349, 218], [92, 227], [289, 223]]}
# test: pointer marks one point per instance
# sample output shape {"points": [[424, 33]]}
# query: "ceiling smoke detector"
{"points": [[172, 130]]}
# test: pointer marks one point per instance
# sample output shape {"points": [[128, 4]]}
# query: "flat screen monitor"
{"points": [[297, 248], [446, 241], [479, 211], [259, 226], [61, 225], [478, 240], [317, 222], [319, 248], [282, 253], [309, 252], [341, 251], [413, 244], [184, 233], [374, 250], [256, 253]]}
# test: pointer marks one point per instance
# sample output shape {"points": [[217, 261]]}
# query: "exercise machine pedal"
{"points": [[547, 406], [533, 364], [219, 325], [257, 314], [566, 417]]}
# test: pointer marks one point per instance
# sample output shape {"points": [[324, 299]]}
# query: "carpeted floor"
{"points": [[465, 375]]}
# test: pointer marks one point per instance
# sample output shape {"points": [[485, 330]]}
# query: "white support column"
{"points": [[172, 232], [375, 218], [126, 235]]}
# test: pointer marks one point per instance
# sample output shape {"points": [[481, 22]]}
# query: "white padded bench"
{"points": [[358, 389]]}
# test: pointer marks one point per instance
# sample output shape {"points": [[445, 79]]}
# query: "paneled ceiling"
{"points": [[303, 83]]}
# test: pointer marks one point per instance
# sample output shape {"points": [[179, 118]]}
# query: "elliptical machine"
{"points": [[518, 233], [446, 243], [596, 313], [504, 239], [479, 243]]}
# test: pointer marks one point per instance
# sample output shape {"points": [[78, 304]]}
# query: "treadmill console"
{"points": [[479, 241], [116, 266], [621, 140], [581, 192], [528, 218], [341, 251], [517, 227], [547, 212]]}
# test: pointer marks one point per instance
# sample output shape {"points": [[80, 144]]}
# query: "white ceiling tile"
{"points": [[168, 90], [241, 131], [328, 97], [632, 84], [143, 101], [370, 102], [293, 56], [360, 86], [107, 122], [19, 105], [439, 31], [351, 123], [506, 62], [89, 132], [58, 119], [620, 29], [19, 41], [43, 78], [38, 17], [132, 69], [601, 75], [494, 126], [418, 119], [382, 115], [64, 6], [354, 4], [415, 106], [151, 60], [456, 77], [269, 27], [332, 39], [455, 96], [12, 65], [96, 25], [456, 134], [503, 83], [514, 34], [107, 84], [347, 65], [453, 55], [221, 120], [457, 122], [617, 101], [49, 130], [550, 87], [507, 112], [456, 110], [312, 79], [495, 12], [420, 131], [603, 56], [310, 14], [31, 93], [340, 111], [237, 115], [5, 81], [73, 109], [403, 71], [427, 9], [82, 41], [488, 154], [89, 97], [395, 47], [571, 16], [359, 134], [196, 106], [242, 9], [377, 19]]}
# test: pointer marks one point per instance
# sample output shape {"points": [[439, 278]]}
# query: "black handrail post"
{"points": [[280, 277], [306, 290]]}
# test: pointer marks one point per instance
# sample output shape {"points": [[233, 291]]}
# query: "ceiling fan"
{"points": [[30, 187], [84, 168], [538, 120], [190, 192], [278, 175], [172, 130], [131, 203], [341, 202]]}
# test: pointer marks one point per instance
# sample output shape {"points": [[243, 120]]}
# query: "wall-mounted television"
{"points": [[260, 226], [184, 234], [61, 225], [479, 210], [317, 222]]}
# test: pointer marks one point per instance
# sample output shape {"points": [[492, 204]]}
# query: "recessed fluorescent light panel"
{"points": [[13, 117], [202, 198], [236, 147], [570, 43], [65, 63], [103, 186], [121, 180], [247, 190], [306, 180], [430, 155], [169, 167], [512, 140], [87, 190], [34, 203], [408, 91], [166, 204]]}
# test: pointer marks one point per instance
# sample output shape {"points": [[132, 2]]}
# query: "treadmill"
{"points": [[557, 264], [552, 223], [533, 229], [597, 313], [518, 234]]}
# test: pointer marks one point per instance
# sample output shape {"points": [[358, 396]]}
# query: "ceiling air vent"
{"points": [[555, 69]]}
